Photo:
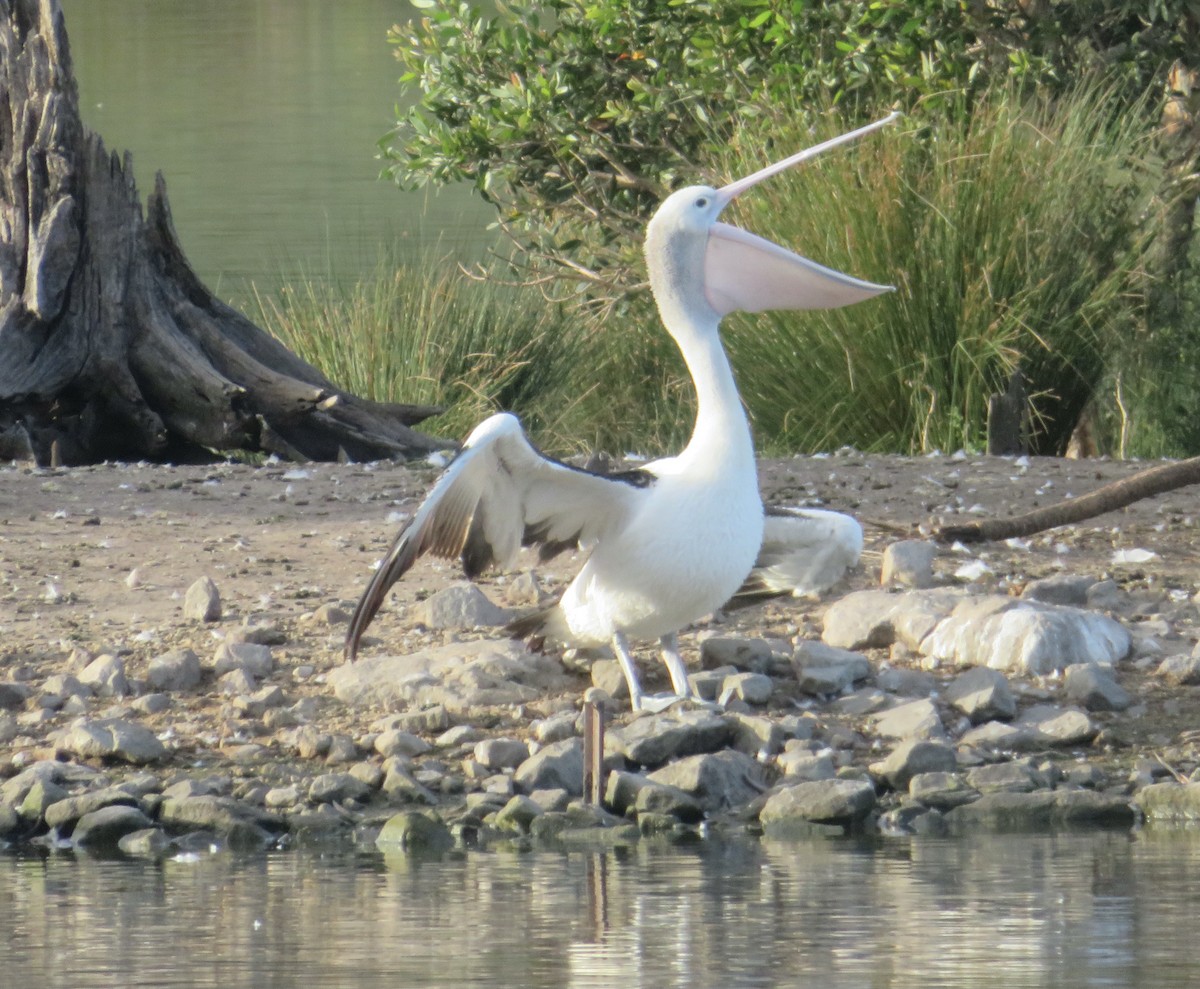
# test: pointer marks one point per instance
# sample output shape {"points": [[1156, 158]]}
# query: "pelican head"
{"points": [[709, 268]]}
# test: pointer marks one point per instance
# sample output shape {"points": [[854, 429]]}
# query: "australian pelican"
{"points": [[668, 542]]}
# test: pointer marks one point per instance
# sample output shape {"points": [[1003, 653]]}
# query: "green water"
{"points": [[264, 116]]}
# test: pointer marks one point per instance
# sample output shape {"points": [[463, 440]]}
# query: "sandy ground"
{"points": [[281, 540]]}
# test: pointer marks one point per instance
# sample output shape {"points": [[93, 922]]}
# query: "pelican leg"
{"points": [[621, 647], [670, 654]]}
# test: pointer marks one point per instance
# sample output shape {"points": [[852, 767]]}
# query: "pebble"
{"points": [[558, 766], [178, 669], [982, 694], [202, 602], [1095, 688], [909, 563]]}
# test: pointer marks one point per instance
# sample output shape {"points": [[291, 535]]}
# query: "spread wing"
{"points": [[499, 494], [805, 551]]}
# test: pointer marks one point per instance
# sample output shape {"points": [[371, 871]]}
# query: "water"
{"points": [[1064, 911], [264, 116]]}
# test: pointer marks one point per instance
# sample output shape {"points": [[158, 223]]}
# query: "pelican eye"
{"points": [[702, 202]]}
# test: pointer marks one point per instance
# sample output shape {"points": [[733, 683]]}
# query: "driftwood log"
{"points": [[110, 346], [1110, 497]]}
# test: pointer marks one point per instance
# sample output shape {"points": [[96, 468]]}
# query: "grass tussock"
{"points": [[1011, 235]]}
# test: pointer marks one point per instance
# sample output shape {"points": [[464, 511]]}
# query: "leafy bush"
{"points": [[573, 117]]}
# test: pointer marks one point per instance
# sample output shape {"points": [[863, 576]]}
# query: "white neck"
{"points": [[721, 439]]}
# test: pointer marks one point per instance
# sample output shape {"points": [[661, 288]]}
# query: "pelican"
{"points": [[668, 542]]}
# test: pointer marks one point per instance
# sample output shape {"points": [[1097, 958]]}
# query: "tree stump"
{"points": [[110, 346]]}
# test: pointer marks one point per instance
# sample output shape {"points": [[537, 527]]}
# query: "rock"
{"points": [[754, 735], [609, 677], [146, 843], [1058, 725], [1169, 801], [718, 780], [810, 654], [996, 736], [400, 787], [460, 678], [824, 681], [12, 695], [909, 563], [877, 618], [461, 605], [967, 629], [744, 654], [151, 704], [556, 728], [557, 766], [839, 802], [914, 719], [751, 688], [331, 614], [657, 798], [1005, 777], [1065, 589], [621, 790], [501, 753], [551, 800], [202, 602], [799, 766], [906, 682], [394, 742], [413, 831], [652, 740], [1023, 635], [426, 719], [64, 813], [105, 675], [240, 825], [237, 682], [110, 738], [104, 828], [1095, 688], [942, 791], [518, 814], [982, 694], [342, 748], [41, 796], [333, 788], [279, 797], [258, 631], [1043, 809], [175, 670], [1183, 671], [249, 657], [525, 591], [452, 738], [913, 757]]}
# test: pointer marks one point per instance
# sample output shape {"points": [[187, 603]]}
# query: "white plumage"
{"points": [[673, 540]]}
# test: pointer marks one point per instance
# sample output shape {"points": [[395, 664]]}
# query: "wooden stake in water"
{"points": [[593, 753]]}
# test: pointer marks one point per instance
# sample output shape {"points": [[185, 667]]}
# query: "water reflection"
{"points": [[264, 117], [1021, 911]]}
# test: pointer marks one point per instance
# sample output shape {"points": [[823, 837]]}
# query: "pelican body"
{"points": [[669, 542]]}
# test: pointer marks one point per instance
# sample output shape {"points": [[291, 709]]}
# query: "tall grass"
{"points": [[1011, 236], [426, 333]]}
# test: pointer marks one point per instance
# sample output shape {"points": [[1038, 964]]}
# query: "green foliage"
{"points": [[574, 116]]}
